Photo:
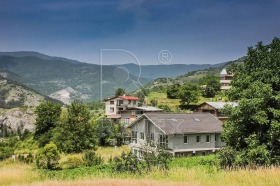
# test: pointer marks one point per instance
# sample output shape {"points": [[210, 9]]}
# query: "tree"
{"points": [[212, 85], [119, 92], [76, 131], [253, 128], [189, 93], [47, 116], [48, 157], [172, 91]]}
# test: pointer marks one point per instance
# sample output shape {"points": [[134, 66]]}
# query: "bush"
{"points": [[227, 156], [90, 158], [72, 162], [127, 163], [6, 152], [48, 157]]}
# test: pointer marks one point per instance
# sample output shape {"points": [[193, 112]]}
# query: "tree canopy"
{"points": [[47, 116], [75, 131], [253, 128], [119, 92]]}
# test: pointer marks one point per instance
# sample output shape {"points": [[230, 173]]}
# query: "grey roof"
{"points": [[149, 108], [221, 105], [174, 123]]}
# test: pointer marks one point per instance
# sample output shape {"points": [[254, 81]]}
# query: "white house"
{"points": [[225, 79], [126, 108], [182, 134]]}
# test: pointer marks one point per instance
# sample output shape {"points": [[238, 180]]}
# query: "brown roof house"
{"points": [[215, 109], [182, 134]]}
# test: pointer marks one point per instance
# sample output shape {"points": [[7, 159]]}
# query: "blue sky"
{"points": [[194, 31]]}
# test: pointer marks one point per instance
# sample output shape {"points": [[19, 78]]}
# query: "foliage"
{"points": [[189, 93], [173, 91], [75, 131], [165, 108], [212, 85], [47, 116], [253, 129], [110, 133], [72, 162], [119, 92], [127, 163], [91, 159], [6, 152], [154, 102], [227, 156], [48, 157]]}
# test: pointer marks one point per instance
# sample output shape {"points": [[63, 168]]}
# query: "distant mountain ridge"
{"points": [[68, 80], [13, 94]]}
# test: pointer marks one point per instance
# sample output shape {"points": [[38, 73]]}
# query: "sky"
{"points": [[139, 31]]}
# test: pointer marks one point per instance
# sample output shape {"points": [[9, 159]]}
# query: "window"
{"points": [[163, 140], [112, 102], [126, 120], [133, 113], [112, 109], [216, 137], [142, 135], [208, 138], [120, 103], [134, 136], [134, 102], [129, 102], [152, 136], [198, 139], [186, 138]]}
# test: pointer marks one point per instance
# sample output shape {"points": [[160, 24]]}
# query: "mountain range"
{"points": [[66, 80]]}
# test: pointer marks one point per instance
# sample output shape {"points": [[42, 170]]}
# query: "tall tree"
{"points": [[47, 116], [119, 92], [212, 85], [253, 129], [76, 131], [189, 93]]}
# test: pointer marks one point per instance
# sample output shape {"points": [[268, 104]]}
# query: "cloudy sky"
{"points": [[193, 31]]}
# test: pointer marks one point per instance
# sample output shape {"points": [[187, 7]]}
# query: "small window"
{"points": [[133, 113], [186, 138], [198, 139], [129, 102], [152, 136], [126, 120], [134, 136], [142, 135], [208, 139], [134, 102], [216, 137], [112, 102], [112, 109]]}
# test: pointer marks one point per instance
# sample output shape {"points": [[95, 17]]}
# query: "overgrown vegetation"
{"points": [[253, 131]]}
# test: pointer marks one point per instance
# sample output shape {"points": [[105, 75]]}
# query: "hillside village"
{"points": [[205, 121]]}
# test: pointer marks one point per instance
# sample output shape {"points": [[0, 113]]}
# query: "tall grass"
{"points": [[183, 171]]}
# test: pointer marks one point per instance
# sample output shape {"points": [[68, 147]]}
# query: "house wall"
{"points": [[142, 127], [126, 103], [175, 142]]}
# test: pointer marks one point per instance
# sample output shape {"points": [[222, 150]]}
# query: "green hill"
{"points": [[14, 94]]}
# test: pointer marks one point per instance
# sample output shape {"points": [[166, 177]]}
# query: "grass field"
{"points": [[195, 171], [173, 104]]}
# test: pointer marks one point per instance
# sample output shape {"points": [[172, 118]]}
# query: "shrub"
{"points": [[6, 152], [72, 162], [48, 157], [227, 156], [90, 158]]}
